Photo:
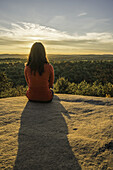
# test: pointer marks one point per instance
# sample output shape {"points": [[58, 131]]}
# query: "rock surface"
{"points": [[72, 132]]}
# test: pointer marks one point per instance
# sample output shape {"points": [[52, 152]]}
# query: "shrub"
{"points": [[96, 89], [5, 83], [13, 92], [72, 87], [83, 88], [61, 85]]}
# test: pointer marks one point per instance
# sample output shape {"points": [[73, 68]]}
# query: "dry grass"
{"points": [[89, 122]]}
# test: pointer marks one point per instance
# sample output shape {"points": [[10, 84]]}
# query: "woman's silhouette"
{"points": [[39, 75]]}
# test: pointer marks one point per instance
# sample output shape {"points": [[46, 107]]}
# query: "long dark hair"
{"points": [[37, 58]]}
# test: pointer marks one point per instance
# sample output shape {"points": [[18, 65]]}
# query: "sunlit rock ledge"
{"points": [[71, 132]]}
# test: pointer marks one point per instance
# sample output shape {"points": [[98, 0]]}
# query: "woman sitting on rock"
{"points": [[39, 75]]}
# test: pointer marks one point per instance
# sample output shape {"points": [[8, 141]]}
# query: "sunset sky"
{"points": [[63, 26]]}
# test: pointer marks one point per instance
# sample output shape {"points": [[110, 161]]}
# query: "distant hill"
{"points": [[64, 57], [13, 55]]}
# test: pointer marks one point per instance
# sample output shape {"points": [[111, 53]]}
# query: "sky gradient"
{"points": [[63, 26]]}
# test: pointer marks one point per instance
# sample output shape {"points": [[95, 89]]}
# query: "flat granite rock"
{"points": [[72, 132]]}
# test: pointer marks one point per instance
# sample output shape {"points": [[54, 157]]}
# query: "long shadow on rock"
{"points": [[42, 139]]}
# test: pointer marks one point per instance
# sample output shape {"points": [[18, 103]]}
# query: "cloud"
{"points": [[23, 34], [31, 31], [82, 14], [94, 24], [58, 21]]}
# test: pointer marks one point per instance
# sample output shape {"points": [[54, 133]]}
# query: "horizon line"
{"points": [[60, 54]]}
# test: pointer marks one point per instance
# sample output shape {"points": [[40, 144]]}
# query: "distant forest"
{"points": [[74, 74]]}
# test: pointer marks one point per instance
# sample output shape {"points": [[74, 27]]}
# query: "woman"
{"points": [[39, 75]]}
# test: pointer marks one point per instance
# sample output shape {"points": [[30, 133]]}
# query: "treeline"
{"points": [[14, 70], [62, 85], [78, 77], [7, 88], [90, 71]]}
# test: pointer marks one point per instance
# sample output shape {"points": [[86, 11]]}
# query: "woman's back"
{"points": [[39, 85]]}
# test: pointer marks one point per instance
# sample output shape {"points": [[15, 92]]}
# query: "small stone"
{"points": [[75, 129]]}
